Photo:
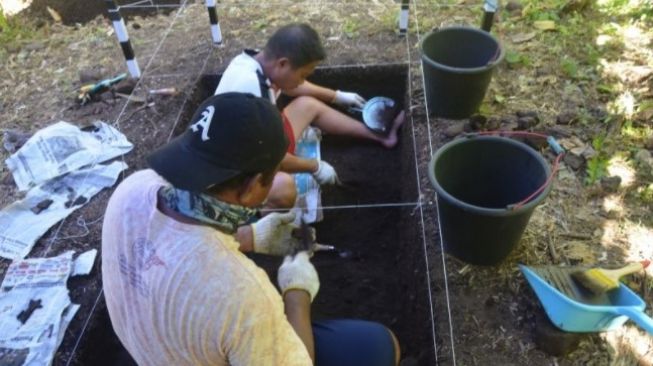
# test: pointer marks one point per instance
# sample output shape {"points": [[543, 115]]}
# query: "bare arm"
{"points": [[295, 164], [307, 88], [245, 237], [297, 306]]}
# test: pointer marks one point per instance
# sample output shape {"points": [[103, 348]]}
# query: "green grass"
{"points": [[597, 166], [13, 30]]}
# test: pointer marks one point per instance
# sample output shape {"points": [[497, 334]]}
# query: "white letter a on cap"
{"points": [[204, 122]]}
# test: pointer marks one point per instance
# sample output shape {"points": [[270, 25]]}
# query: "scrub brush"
{"points": [[599, 281]]}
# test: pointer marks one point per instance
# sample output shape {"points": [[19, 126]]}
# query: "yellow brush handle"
{"points": [[617, 273]]}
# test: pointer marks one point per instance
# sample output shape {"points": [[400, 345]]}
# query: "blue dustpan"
{"points": [[573, 309]]}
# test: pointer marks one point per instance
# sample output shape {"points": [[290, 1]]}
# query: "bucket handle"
{"points": [[553, 144]]}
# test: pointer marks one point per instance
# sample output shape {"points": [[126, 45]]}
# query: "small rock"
{"points": [[34, 46], [505, 120], [527, 122], [643, 156], [574, 161], [610, 214], [491, 301], [492, 124], [467, 127], [574, 6], [136, 25], [454, 130], [510, 126], [567, 118], [589, 152], [514, 6], [477, 121], [14, 140], [649, 143], [532, 114], [12, 47], [611, 184], [125, 86], [559, 131], [552, 340], [598, 113], [91, 75]]}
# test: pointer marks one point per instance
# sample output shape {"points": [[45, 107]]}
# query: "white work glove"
{"points": [[273, 234], [348, 99], [297, 273], [325, 173]]}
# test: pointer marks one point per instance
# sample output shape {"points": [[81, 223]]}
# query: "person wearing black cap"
{"points": [[178, 288]]}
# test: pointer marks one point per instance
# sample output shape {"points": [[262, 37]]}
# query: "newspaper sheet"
{"points": [[62, 148], [309, 198], [24, 221], [35, 308]]}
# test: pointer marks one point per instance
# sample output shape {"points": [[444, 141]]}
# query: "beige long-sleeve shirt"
{"points": [[181, 294]]}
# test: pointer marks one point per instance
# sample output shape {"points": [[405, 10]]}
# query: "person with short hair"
{"points": [[288, 58], [179, 289]]}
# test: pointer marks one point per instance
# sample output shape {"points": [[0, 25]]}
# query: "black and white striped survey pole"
{"points": [[213, 17], [403, 18], [123, 38], [489, 9]]}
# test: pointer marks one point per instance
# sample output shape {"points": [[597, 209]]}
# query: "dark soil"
{"points": [[81, 11], [376, 273], [481, 315]]}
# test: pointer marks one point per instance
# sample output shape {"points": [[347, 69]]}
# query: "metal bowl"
{"points": [[378, 114]]}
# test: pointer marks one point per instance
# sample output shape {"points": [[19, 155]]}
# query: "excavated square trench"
{"points": [[380, 272]]}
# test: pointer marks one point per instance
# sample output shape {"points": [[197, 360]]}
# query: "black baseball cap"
{"points": [[229, 134]]}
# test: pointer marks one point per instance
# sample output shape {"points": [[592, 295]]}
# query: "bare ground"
{"points": [[595, 66]]}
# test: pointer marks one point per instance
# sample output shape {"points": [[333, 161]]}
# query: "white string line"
{"points": [[169, 6], [90, 314], [117, 125], [88, 318], [444, 262], [421, 210], [149, 62], [368, 205], [258, 3], [183, 105], [373, 64], [137, 3]]}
